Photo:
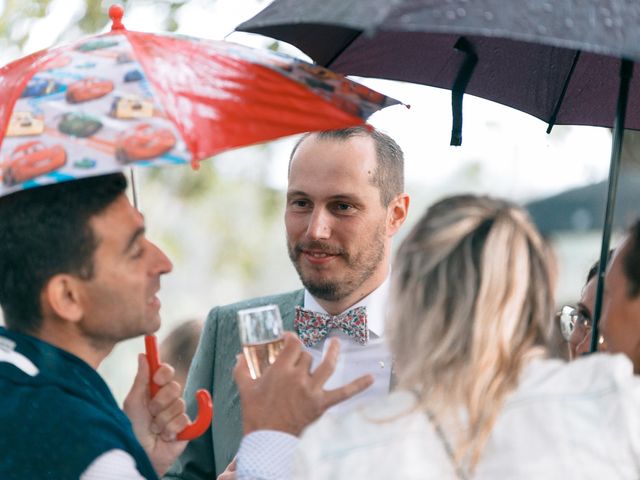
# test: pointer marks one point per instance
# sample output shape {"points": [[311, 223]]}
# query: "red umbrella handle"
{"points": [[203, 397]]}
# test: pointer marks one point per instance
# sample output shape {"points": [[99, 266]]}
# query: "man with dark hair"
{"points": [[77, 275], [345, 202], [620, 324]]}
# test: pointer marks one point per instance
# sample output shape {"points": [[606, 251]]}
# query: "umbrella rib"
{"points": [[347, 44], [556, 108]]}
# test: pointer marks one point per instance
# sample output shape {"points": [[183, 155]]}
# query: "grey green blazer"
{"points": [[206, 457]]}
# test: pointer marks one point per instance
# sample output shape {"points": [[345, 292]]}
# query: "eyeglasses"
{"points": [[571, 319]]}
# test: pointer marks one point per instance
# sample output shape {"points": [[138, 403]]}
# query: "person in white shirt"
{"points": [[345, 202], [471, 318]]}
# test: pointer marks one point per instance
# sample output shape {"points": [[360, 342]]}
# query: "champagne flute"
{"points": [[261, 337]]}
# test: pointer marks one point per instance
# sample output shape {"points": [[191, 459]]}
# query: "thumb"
{"points": [[141, 382], [139, 392], [241, 373]]}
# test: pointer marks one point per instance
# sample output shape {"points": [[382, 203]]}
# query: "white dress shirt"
{"points": [[356, 360]]}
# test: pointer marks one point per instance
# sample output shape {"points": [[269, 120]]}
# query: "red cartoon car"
{"points": [[31, 160], [145, 142], [88, 89]]}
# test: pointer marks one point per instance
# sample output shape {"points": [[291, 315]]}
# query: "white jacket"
{"points": [[565, 421]]}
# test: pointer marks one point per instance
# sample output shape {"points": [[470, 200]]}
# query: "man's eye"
{"points": [[343, 207], [300, 203]]}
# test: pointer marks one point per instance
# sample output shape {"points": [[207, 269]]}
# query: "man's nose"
{"points": [[161, 263], [319, 225]]}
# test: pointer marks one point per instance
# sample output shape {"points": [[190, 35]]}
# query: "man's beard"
{"points": [[356, 269]]}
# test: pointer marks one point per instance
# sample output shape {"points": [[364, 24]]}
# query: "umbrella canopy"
{"points": [[553, 60], [108, 101], [566, 61]]}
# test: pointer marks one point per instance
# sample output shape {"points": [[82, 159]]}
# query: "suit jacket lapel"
{"points": [[288, 309]]}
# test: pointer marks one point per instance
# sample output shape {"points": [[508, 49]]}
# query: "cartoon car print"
{"points": [[123, 58], [133, 76], [131, 106], [57, 62], [318, 71], [96, 45], [362, 93], [86, 65], [88, 89], [85, 163], [79, 125], [24, 123], [31, 160], [39, 87], [144, 143]]}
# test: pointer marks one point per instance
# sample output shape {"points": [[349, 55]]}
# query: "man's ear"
{"points": [[397, 213], [62, 296]]}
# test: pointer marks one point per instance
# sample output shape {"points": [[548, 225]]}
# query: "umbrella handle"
{"points": [[203, 397]]}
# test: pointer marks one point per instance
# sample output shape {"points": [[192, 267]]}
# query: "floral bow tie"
{"points": [[313, 326]]}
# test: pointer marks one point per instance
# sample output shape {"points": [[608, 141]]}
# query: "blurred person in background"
{"points": [[179, 346], [620, 322], [345, 202], [575, 322], [478, 396], [77, 276]]}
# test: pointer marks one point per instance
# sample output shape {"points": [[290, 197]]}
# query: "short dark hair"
{"points": [[389, 174], [594, 268], [45, 231], [631, 262]]}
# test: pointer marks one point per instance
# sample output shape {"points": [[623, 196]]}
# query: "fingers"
{"points": [[164, 374], [305, 361], [347, 391], [168, 409], [290, 353], [328, 364], [170, 421], [165, 397]]}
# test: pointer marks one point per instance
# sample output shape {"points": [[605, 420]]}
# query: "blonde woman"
{"points": [[478, 397]]}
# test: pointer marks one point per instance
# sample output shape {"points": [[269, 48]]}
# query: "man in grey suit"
{"points": [[345, 201]]}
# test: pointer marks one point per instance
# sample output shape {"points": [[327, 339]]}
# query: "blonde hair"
{"points": [[472, 303]]}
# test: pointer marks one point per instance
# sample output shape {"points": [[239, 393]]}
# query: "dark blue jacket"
{"points": [[57, 415]]}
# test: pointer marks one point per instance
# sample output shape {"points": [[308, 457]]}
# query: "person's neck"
{"points": [[336, 307], [69, 339]]}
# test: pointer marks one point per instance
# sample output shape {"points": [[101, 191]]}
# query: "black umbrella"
{"points": [[563, 61]]}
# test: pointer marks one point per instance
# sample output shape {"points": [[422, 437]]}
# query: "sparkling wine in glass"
{"points": [[261, 337]]}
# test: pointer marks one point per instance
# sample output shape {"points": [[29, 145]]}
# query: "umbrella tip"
{"points": [[116, 12]]}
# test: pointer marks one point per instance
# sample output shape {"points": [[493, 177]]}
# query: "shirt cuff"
{"points": [[266, 455]]}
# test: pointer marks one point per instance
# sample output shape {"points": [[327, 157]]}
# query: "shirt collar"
{"points": [[376, 303]]}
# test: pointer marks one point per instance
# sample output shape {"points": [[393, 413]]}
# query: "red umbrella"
{"points": [[103, 102], [124, 97]]}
